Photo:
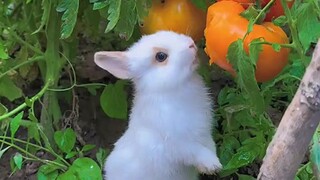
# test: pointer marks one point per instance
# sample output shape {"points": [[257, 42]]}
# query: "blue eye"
{"points": [[161, 56]]}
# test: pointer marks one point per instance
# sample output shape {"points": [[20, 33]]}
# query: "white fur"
{"points": [[169, 133]]}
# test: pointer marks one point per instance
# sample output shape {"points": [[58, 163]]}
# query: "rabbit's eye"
{"points": [[161, 56]]}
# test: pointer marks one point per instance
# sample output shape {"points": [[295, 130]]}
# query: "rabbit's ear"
{"points": [[115, 62]]}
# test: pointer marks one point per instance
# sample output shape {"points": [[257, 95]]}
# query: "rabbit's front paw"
{"points": [[208, 163]]}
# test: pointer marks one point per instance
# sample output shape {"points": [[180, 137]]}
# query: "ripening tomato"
{"points": [[275, 10], [180, 16], [225, 25]]}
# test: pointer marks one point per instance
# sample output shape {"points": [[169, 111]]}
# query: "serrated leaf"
{"points": [[3, 109], [201, 4], [128, 20], [245, 75], [276, 47], [113, 100], [308, 24], [143, 7], [65, 139], [69, 17], [15, 123], [8, 89], [82, 169], [100, 5], [88, 147], [101, 156], [3, 52], [18, 160], [113, 14]]}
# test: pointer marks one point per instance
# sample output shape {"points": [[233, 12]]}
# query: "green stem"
{"points": [[23, 105], [270, 3], [22, 64], [293, 29], [20, 40], [39, 147], [33, 156], [291, 46]]}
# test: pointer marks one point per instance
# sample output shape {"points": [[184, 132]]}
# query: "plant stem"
{"points": [[291, 46], [20, 40], [270, 3], [23, 105], [33, 156], [22, 64], [37, 146]]}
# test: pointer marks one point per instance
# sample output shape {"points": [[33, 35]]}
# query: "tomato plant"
{"points": [[177, 15], [225, 25]]}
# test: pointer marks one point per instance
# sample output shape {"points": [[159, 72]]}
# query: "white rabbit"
{"points": [[169, 133]]}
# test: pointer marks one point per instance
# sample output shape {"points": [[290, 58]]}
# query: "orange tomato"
{"points": [[180, 16], [225, 25]]}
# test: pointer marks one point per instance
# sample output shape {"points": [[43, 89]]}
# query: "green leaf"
{"points": [[3, 109], [71, 154], [8, 89], [113, 14], [3, 52], [280, 21], [143, 9], [101, 156], [47, 172], [128, 20], [113, 100], [245, 177], [308, 24], [315, 151], [88, 147], [45, 5], [69, 17], [255, 47], [228, 148], [82, 169], [15, 123], [2, 151], [100, 5], [65, 139], [18, 160], [245, 155], [245, 75], [33, 132], [201, 4]]}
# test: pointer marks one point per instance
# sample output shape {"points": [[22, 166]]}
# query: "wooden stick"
{"points": [[290, 143]]}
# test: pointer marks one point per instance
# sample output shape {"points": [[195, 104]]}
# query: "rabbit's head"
{"points": [[159, 61]]}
